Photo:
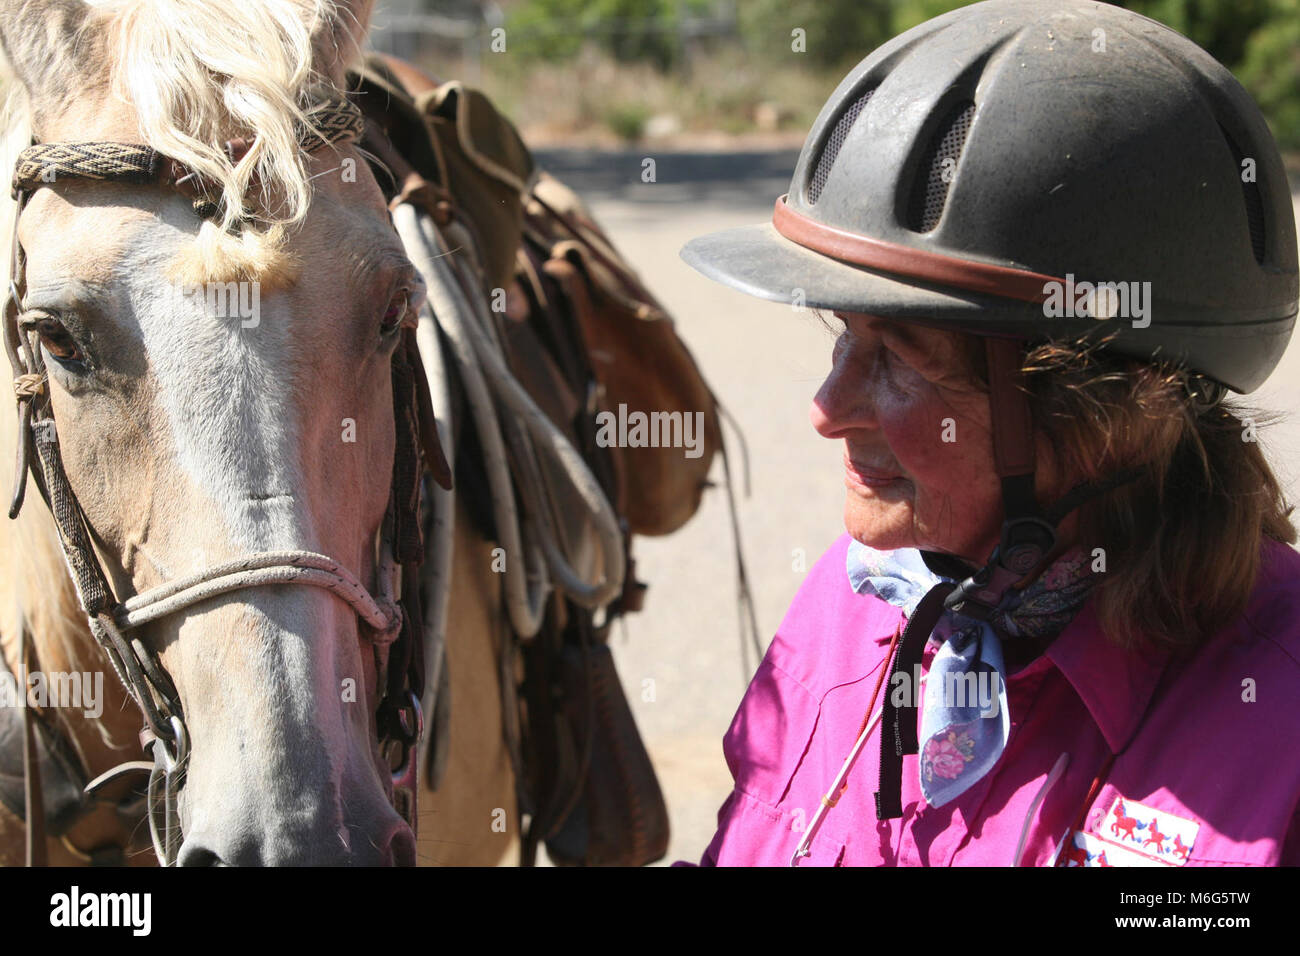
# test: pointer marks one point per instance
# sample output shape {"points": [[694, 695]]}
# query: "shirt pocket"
{"points": [[769, 735], [829, 847]]}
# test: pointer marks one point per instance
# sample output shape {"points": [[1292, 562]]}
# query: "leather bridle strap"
{"points": [[334, 120], [33, 797]]}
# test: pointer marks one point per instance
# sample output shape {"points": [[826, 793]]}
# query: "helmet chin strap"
{"points": [[1028, 532]]}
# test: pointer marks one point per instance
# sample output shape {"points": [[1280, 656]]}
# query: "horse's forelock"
{"points": [[197, 73], [200, 73]]}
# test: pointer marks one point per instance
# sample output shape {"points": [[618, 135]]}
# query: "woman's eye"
{"points": [[57, 340]]}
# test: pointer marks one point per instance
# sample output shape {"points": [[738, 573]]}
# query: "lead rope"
{"points": [[749, 630], [840, 783]]}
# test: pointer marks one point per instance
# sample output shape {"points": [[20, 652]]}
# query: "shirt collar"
{"points": [[1115, 684]]}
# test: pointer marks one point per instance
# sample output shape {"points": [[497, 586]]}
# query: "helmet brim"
{"points": [[759, 261]]}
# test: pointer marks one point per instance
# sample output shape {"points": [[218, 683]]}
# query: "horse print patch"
{"points": [[1132, 834], [1084, 849]]}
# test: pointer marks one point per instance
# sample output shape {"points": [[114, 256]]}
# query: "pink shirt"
{"points": [[1203, 774]]}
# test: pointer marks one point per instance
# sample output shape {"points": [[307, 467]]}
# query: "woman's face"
{"points": [[918, 453]]}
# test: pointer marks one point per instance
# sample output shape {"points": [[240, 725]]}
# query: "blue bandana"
{"points": [[964, 718]]}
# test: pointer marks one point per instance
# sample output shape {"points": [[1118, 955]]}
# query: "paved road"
{"points": [[680, 660]]}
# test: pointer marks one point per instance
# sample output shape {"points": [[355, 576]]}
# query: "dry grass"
{"points": [[597, 101]]}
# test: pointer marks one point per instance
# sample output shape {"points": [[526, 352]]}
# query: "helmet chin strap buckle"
{"points": [[1026, 543]]}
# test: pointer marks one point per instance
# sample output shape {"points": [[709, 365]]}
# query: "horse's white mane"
{"points": [[197, 73]]}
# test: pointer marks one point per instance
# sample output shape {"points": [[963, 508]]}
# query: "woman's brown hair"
{"points": [[1181, 543]]}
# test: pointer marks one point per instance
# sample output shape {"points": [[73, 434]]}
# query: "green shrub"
{"points": [[627, 120], [628, 30], [1270, 70], [837, 33]]}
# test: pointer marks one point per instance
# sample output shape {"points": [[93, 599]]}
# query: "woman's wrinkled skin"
{"points": [[895, 392]]}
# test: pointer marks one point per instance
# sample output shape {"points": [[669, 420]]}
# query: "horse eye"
{"points": [[57, 340], [398, 308]]}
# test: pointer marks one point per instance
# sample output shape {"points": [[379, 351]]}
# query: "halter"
{"points": [[392, 614]]}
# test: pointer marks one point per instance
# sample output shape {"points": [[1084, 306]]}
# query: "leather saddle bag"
{"points": [[642, 369]]}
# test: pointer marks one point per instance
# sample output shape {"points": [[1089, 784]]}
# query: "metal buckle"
{"points": [[1025, 544], [406, 776], [168, 765]]}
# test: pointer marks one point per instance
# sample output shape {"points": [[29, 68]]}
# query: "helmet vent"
{"points": [[930, 193], [1254, 200], [835, 143]]}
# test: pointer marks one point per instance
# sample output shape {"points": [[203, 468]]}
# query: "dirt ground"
{"points": [[680, 660]]}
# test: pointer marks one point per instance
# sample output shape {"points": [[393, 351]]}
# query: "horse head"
{"points": [[221, 380]]}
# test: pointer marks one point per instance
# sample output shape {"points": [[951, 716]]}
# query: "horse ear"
{"points": [[39, 39], [340, 37]]}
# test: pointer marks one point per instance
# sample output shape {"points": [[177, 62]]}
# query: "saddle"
{"points": [[584, 338]]}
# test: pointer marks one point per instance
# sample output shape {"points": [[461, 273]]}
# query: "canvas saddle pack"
{"points": [[583, 336]]}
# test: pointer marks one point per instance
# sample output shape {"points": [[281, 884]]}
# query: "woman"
{"points": [[1054, 235]]}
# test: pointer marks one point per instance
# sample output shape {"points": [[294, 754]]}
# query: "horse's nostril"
{"points": [[303, 849], [401, 847], [192, 854]]}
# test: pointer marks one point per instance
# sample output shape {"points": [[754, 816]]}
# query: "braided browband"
{"points": [[335, 120]]}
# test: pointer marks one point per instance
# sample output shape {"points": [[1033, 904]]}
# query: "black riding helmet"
{"points": [[979, 171]]}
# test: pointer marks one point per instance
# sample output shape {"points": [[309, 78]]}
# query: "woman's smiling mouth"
{"points": [[860, 476]]}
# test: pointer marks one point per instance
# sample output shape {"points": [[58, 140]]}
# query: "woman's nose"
{"points": [[842, 404]]}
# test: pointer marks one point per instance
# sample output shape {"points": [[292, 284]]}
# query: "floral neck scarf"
{"points": [[964, 719]]}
